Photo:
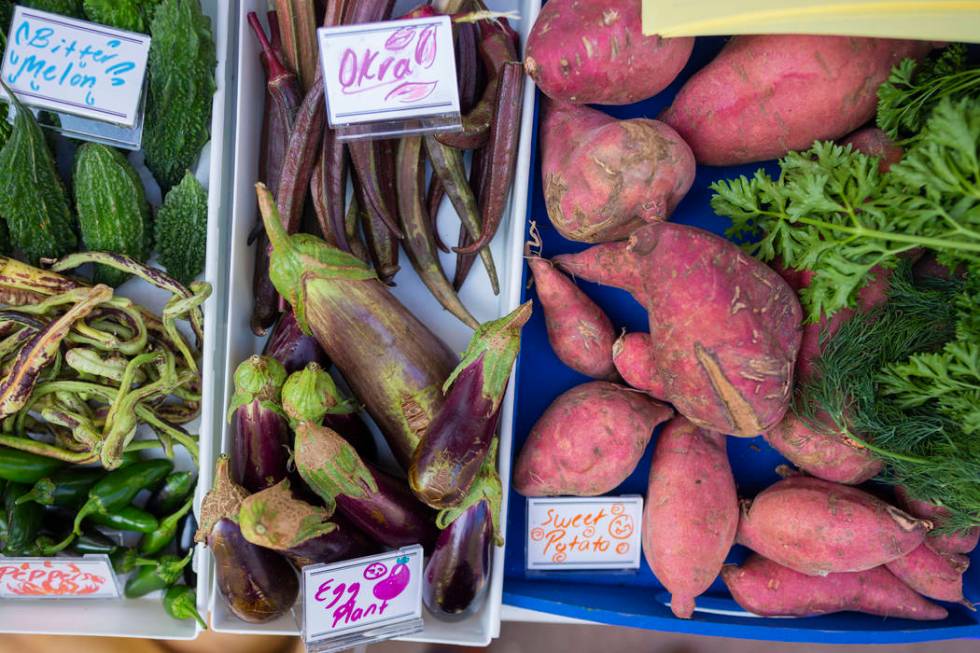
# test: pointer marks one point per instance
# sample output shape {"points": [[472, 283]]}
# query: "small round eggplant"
{"points": [[259, 585], [259, 453], [457, 575], [293, 348]]}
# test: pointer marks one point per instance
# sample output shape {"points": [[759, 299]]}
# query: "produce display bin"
{"points": [[481, 627], [637, 599], [145, 617]]}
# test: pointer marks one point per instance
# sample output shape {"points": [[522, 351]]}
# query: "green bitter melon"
{"points": [[132, 15], [182, 229], [113, 214], [181, 67], [32, 198]]}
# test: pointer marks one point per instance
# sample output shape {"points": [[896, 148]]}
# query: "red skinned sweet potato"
{"points": [[817, 527], [724, 328], [766, 588], [823, 451], [594, 52], [588, 441], [874, 142], [604, 177], [691, 512], [934, 575], [765, 95], [580, 333], [633, 357], [959, 542]]}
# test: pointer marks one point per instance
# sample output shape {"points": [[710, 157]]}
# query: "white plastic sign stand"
{"points": [[88, 577], [572, 533], [360, 601], [390, 79], [91, 76]]}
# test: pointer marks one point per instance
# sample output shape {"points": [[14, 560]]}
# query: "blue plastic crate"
{"points": [[639, 600]]}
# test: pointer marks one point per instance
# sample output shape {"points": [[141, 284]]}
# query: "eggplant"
{"points": [[346, 542], [258, 584], [376, 503], [259, 454], [312, 396], [457, 575], [453, 449], [293, 348], [394, 363]]}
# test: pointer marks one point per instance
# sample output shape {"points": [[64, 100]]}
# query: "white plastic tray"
{"points": [[482, 627], [145, 617]]}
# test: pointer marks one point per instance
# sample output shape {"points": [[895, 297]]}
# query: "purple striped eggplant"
{"points": [[344, 543], [394, 364], [293, 348], [258, 449], [453, 449], [311, 395], [258, 584], [378, 504], [457, 576]]}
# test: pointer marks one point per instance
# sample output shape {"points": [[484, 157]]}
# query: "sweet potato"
{"points": [[594, 52], [604, 177], [765, 95], [691, 512], [874, 142], [817, 527], [588, 441], [766, 588], [632, 355], [724, 328], [958, 542], [934, 575], [823, 451], [580, 333]]}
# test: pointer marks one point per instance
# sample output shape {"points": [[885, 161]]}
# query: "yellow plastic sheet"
{"points": [[935, 20]]}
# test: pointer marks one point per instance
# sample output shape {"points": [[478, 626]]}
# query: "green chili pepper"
{"points": [[127, 518], [93, 542], [160, 576], [153, 543], [126, 560], [23, 467], [23, 521], [180, 602], [130, 457], [115, 491], [171, 494], [3, 515], [66, 487]]}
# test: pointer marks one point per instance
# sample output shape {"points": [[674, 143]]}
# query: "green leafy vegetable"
{"points": [[32, 197], [182, 229], [132, 15], [832, 212], [913, 89], [71, 8], [181, 68]]}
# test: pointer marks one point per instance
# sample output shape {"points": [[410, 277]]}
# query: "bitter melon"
{"points": [[64, 7], [182, 229], [32, 197], [113, 214], [133, 15], [178, 112]]}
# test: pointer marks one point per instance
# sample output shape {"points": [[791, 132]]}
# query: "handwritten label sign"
{"points": [[584, 533], [389, 71], [90, 577], [76, 67], [363, 600]]}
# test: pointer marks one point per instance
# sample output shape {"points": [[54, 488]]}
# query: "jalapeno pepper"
{"points": [[23, 467], [115, 491], [127, 518], [180, 602], [23, 521], [126, 560], [66, 487], [154, 542], [156, 577], [173, 492], [92, 541]]}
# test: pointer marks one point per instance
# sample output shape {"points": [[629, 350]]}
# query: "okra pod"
{"points": [[381, 243], [469, 77], [329, 188], [478, 182], [433, 202], [365, 158], [502, 153], [419, 242], [301, 153]]}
